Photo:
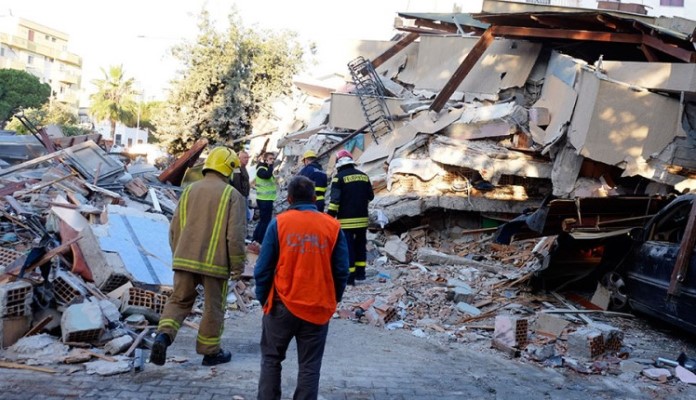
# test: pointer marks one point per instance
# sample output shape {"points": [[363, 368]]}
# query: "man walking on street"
{"points": [[265, 195], [351, 192], [300, 277], [312, 170], [207, 240]]}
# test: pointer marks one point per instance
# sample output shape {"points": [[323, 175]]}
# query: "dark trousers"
{"points": [[265, 215], [357, 251], [279, 327]]}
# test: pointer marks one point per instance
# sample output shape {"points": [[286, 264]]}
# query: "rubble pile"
{"points": [[85, 266]]}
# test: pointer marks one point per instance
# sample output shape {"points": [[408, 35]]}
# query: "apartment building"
{"points": [[43, 52]]}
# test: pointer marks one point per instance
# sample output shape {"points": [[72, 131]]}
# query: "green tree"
{"points": [[19, 89], [115, 98], [228, 78], [54, 113]]}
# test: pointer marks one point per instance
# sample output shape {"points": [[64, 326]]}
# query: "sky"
{"points": [[138, 34]]}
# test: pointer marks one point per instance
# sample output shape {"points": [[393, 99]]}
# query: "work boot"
{"points": [[359, 273], [158, 355], [223, 356], [351, 279]]}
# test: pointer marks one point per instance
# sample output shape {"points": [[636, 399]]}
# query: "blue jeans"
{"points": [[265, 215], [279, 327]]}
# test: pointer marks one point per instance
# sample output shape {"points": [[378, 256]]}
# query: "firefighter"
{"points": [[312, 170], [207, 239], [351, 192]]}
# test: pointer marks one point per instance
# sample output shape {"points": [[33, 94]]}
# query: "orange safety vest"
{"points": [[303, 279]]}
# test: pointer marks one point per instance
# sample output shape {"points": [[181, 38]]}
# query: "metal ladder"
{"points": [[370, 91]]}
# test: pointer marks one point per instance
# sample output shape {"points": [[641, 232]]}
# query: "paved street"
{"points": [[361, 362]]}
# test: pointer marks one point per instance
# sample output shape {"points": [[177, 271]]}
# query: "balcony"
{"points": [[69, 78], [48, 51]]}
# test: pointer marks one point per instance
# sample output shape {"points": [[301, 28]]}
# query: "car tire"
{"points": [[616, 285]]}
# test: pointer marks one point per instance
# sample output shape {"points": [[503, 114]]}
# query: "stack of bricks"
{"points": [[511, 331], [145, 302], [15, 299], [15, 311], [67, 288], [612, 337], [7, 257], [586, 343]]}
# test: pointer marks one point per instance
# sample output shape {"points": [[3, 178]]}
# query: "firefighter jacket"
{"points": [[314, 172], [303, 263], [351, 192], [208, 229], [265, 183]]}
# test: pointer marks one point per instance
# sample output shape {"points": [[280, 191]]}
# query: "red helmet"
{"points": [[343, 153]]}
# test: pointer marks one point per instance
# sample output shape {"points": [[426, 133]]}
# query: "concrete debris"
{"points": [[558, 147], [657, 374], [108, 368]]}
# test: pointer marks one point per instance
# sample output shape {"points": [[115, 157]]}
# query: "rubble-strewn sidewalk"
{"points": [[361, 362]]}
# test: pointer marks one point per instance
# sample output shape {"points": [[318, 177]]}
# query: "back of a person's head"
{"points": [[301, 189]]}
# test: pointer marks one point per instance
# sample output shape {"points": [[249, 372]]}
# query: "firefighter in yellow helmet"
{"points": [[312, 170], [207, 239]]}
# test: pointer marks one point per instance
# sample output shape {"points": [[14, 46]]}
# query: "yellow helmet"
{"points": [[223, 160], [309, 154]]}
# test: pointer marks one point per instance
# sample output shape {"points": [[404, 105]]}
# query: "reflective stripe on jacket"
{"points": [[314, 172], [265, 187], [351, 192], [208, 229]]}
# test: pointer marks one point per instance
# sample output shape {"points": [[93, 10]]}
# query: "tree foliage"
{"points": [[115, 97], [54, 113], [19, 89], [228, 78]]}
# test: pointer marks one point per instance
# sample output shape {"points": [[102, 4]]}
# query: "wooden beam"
{"points": [[462, 71], [673, 50], [423, 31], [649, 53], [397, 47], [594, 36], [681, 265]]}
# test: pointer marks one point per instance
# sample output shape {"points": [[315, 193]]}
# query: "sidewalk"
{"points": [[361, 362]]}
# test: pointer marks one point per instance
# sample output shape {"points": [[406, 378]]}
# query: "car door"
{"points": [[651, 264]]}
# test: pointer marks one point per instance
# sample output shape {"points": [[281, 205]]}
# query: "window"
{"points": [[2, 52], [31, 35], [140, 141], [117, 139], [672, 3], [30, 60], [130, 142], [48, 37]]}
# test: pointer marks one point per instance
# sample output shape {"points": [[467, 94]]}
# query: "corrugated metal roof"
{"points": [[450, 18]]}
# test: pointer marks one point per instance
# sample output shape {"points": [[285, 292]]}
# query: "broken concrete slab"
{"points": [[657, 374], [468, 309], [550, 324], [637, 123], [118, 345], [428, 255], [488, 158], [108, 368], [396, 249]]}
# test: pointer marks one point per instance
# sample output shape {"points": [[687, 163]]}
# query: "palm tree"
{"points": [[115, 98]]}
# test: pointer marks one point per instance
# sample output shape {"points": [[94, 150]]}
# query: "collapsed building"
{"points": [[463, 122]]}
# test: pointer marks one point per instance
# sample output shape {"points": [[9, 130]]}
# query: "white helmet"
{"points": [[343, 157]]}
